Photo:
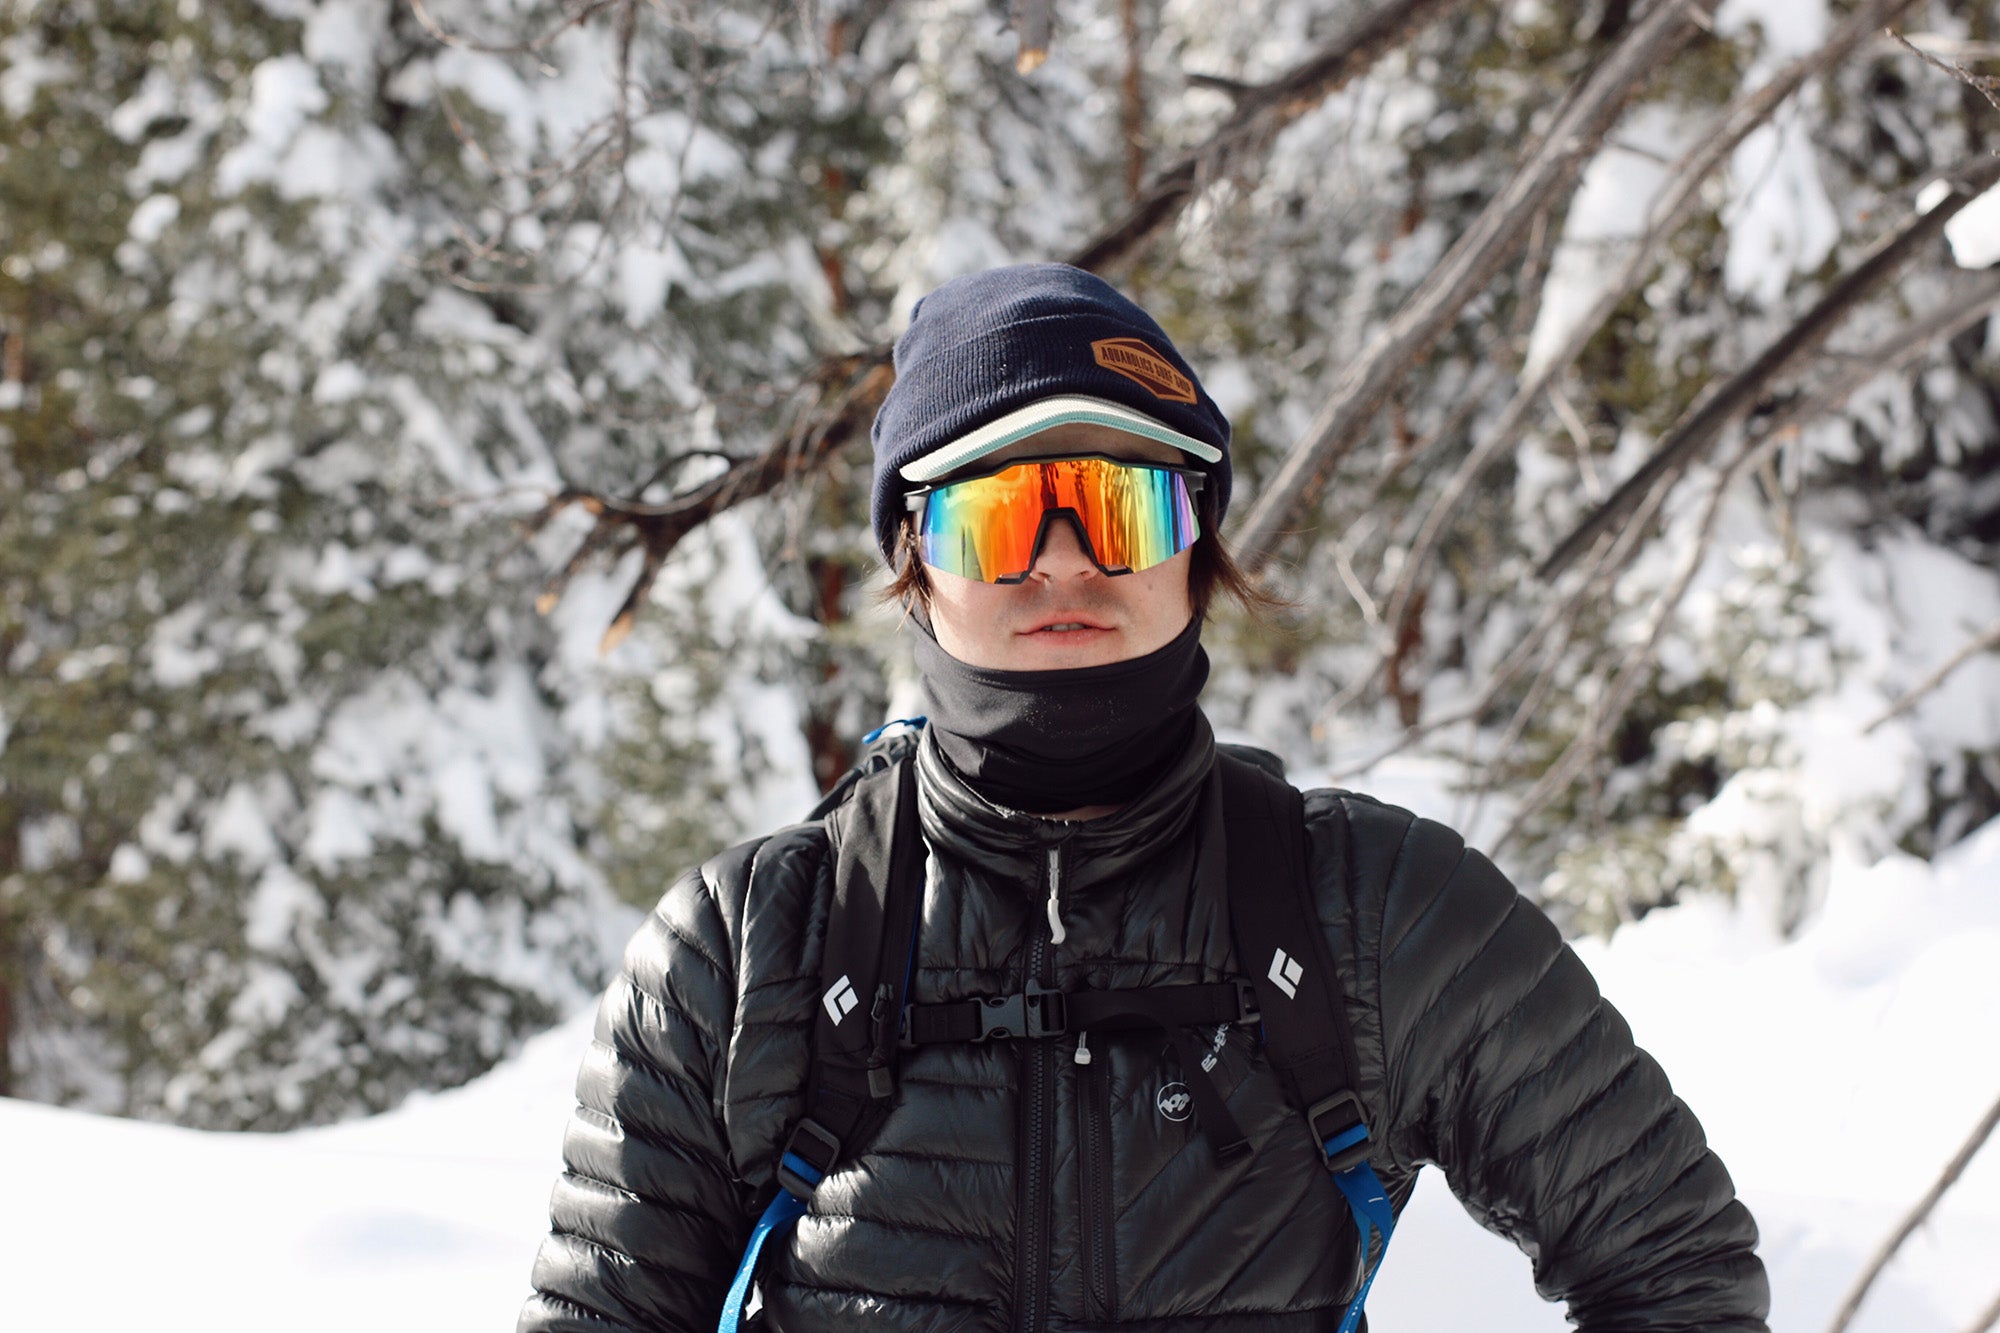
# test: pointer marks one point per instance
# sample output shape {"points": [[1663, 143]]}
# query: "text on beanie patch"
{"points": [[1145, 367]]}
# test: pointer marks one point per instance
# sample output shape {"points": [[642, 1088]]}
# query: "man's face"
{"points": [[1067, 612]]}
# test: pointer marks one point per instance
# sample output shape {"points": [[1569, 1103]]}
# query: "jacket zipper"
{"points": [[1032, 1255], [1100, 1281]]}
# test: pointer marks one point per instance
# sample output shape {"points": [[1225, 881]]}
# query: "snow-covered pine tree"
{"points": [[338, 280], [307, 806]]}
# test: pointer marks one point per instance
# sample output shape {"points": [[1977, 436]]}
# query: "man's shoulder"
{"points": [[790, 857], [1381, 849]]}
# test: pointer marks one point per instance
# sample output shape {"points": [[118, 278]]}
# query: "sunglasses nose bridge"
{"points": [[1058, 557]]}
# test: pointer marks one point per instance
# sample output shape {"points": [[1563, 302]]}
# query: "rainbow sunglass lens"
{"points": [[1131, 515]]}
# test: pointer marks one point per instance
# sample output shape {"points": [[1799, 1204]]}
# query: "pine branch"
{"points": [[1667, 216], [849, 389], [1980, 299], [1703, 424], [1261, 111], [1495, 236], [1616, 699], [1946, 1179]]}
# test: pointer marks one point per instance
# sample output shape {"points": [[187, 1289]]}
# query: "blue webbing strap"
{"points": [[778, 1218], [1373, 1215]]}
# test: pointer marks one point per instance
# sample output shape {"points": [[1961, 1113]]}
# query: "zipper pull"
{"points": [[1083, 1048], [1056, 932]]}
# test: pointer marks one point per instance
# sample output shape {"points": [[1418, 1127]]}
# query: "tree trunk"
{"points": [[831, 754], [1134, 103], [10, 962]]}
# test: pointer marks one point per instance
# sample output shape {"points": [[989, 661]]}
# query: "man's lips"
{"points": [[1067, 623]]}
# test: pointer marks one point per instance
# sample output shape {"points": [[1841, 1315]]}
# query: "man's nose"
{"points": [[1063, 554]]}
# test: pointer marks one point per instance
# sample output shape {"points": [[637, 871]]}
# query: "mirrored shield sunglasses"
{"points": [[990, 527]]}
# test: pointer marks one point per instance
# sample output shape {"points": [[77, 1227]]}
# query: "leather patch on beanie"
{"points": [[1145, 367]]}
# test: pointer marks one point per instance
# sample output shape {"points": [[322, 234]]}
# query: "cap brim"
{"points": [[1027, 422]]}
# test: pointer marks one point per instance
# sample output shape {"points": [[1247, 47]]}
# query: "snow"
{"points": [[1975, 233], [1618, 188], [1835, 1072], [1780, 220], [284, 93]]}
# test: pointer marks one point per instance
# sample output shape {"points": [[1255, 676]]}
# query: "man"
{"points": [[1050, 478]]}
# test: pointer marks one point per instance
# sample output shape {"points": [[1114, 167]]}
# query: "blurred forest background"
{"points": [[433, 441]]}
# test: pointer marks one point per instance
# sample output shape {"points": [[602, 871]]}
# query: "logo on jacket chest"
{"points": [[1175, 1102]]}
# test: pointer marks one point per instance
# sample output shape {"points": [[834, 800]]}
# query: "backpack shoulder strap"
{"points": [[1275, 919], [878, 886]]}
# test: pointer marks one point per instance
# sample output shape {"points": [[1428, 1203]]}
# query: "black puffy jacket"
{"points": [[1013, 1188]]}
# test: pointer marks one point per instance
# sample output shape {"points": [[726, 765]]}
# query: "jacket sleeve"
{"points": [[1505, 1066], [647, 1220]]}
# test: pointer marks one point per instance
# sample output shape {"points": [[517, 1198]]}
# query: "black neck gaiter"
{"points": [[1044, 741]]}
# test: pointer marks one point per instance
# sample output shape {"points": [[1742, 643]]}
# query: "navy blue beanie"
{"points": [[987, 344]]}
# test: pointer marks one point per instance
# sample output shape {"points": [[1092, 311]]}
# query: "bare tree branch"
{"points": [[1960, 48], [1557, 621], [1494, 237], [1946, 1179], [1980, 299], [1667, 216], [1132, 99], [848, 389], [1985, 642], [1260, 112], [1984, 84], [1612, 704], [1986, 1320], [1704, 423], [532, 46], [1035, 21]]}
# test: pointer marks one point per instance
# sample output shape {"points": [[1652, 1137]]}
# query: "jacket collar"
{"points": [[960, 823]]}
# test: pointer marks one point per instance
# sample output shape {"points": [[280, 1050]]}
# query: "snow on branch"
{"points": [[1985, 642], [1668, 215], [1980, 298], [1548, 174], [1261, 111], [850, 389], [846, 390], [1705, 422]]}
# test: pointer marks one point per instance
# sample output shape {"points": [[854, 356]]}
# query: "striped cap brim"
{"points": [[1046, 414]]}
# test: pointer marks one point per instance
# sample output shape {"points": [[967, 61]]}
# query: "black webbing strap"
{"points": [[1281, 944], [864, 972], [1038, 1013]]}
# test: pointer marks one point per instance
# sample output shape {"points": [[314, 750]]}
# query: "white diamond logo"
{"points": [[840, 1000], [1286, 974]]}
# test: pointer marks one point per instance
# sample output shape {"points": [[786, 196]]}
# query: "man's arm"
{"points": [[647, 1221], [1507, 1068]]}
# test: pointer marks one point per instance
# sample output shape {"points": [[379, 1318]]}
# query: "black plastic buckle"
{"points": [[1001, 1017], [819, 1152], [1247, 1008], [1340, 1115], [1034, 1014]]}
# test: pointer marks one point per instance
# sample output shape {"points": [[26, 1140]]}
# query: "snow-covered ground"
{"points": [[1836, 1073]]}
